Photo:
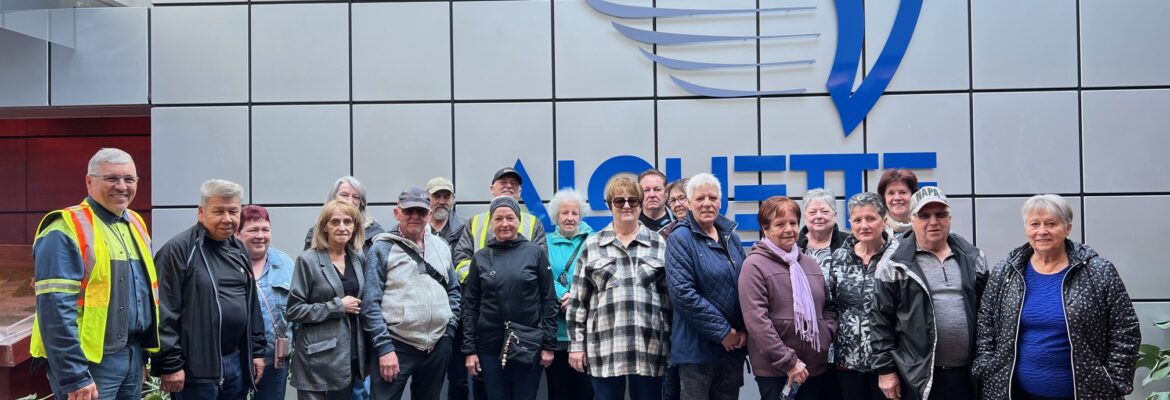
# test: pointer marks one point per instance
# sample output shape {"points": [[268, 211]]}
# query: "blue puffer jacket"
{"points": [[703, 277]]}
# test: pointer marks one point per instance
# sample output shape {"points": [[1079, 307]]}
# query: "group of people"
{"points": [[662, 303]]}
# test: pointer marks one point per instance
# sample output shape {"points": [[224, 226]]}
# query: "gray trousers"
{"points": [[719, 380]]}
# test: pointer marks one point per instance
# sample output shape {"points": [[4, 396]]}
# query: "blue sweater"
{"points": [[1045, 360]]}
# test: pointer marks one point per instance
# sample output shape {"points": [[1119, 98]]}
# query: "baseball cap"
{"points": [[927, 195], [439, 183], [506, 171], [414, 198]]}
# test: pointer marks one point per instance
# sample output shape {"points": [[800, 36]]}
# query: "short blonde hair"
{"points": [[321, 238], [622, 185]]}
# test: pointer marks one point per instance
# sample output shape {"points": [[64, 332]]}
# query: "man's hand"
{"points": [[577, 361], [888, 383], [731, 341], [472, 364], [742, 340], [89, 392], [257, 369], [173, 383], [546, 358], [388, 366]]}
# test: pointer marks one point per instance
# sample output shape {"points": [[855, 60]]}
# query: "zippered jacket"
{"points": [[703, 278], [903, 325], [190, 313], [1102, 325]]}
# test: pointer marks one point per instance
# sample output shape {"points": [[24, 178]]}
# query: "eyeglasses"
{"points": [[114, 179], [675, 200], [940, 215], [623, 202]]}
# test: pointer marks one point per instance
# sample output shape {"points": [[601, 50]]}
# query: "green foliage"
{"points": [[1157, 360]]}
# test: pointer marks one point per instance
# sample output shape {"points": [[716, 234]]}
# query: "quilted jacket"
{"points": [[1103, 327], [702, 277]]}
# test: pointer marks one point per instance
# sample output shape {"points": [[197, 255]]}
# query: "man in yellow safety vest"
{"points": [[96, 288]]}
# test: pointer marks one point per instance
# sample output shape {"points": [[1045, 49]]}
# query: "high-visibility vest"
{"points": [[479, 232], [93, 290]]}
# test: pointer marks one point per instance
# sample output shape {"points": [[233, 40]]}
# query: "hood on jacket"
{"points": [[499, 244]]}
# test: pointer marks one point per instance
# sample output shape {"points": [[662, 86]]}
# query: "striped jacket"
{"points": [[618, 304]]}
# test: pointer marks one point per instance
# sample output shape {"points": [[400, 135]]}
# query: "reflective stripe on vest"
{"points": [[479, 231], [93, 290]]}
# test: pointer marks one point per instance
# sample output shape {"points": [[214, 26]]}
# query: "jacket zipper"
{"points": [[934, 332], [1015, 346], [1068, 330], [218, 308]]}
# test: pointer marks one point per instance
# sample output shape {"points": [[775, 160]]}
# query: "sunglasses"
{"points": [[925, 216], [622, 202]]}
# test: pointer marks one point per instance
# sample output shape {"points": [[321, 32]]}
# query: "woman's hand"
{"points": [[472, 364], [546, 358], [565, 302], [577, 361], [731, 341], [353, 305], [798, 373], [888, 383]]}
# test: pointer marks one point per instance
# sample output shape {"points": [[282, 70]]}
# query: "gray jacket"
{"points": [[321, 353], [401, 301]]}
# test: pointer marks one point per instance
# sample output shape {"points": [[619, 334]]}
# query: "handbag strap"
{"points": [[264, 299], [563, 278]]}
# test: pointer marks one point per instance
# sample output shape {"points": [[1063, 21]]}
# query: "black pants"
{"points": [[457, 373], [670, 383], [564, 382], [1020, 394], [423, 370], [948, 384], [771, 387], [859, 385], [830, 385]]}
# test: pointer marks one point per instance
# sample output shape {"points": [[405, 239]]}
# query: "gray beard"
{"points": [[441, 214]]}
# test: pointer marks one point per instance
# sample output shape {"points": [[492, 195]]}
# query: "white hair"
{"points": [[1049, 204], [569, 194], [822, 195], [219, 189], [701, 180], [108, 155], [356, 185]]}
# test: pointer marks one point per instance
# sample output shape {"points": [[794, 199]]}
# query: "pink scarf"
{"points": [[804, 313]]}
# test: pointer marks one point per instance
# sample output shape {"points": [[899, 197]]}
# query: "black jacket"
{"points": [[903, 329], [1102, 325], [508, 281], [835, 242], [190, 314]]}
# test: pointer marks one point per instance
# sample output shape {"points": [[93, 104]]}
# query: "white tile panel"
{"points": [[503, 49], [298, 152], [24, 76], [190, 145], [593, 59], [165, 223], [490, 136], [399, 146], [401, 51], [1128, 231], [1023, 44], [937, 123], [1125, 140], [300, 52], [697, 130], [1122, 43], [590, 133], [806, 125], [712, 52], [199, 54], [937, 56], [822, 50], [109, 64], [1026, 142]]}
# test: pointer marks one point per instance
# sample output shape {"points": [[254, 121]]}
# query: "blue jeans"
{"points": [[233, 388], [119, 376], [272, 384], [614, 388], [361, 389], [516, 382]]}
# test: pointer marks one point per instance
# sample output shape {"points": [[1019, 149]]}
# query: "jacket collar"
{"points": [[103, 214], [835, 241], [583, 230], [1078, 254], [607, 236], [492, 242], [331, 273], [723, 225]]}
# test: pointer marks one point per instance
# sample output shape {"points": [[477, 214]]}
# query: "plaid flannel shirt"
{"points": [[617, 312]]}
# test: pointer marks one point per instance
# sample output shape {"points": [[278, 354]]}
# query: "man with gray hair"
{"points": [[926, 295], [213, 342], [95, 309], [443, 221]]}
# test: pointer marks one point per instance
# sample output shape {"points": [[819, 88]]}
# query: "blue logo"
{"points": [[852, 107]]}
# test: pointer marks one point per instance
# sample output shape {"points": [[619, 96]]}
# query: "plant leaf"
{"points": [[1159, 396], [1158, 372], [1148, 356], [1162, 325]]}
